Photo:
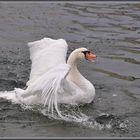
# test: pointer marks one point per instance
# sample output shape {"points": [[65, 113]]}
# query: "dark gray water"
{"points": [[111, 30]]}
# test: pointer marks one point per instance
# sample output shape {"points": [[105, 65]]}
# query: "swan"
{"points": [[54, 81]]}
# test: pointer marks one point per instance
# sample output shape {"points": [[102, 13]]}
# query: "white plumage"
{"points": [[54, 81], [46, 54]]}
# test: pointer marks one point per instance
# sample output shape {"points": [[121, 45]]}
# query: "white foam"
{"points": [[71, 114], [9, 95]]}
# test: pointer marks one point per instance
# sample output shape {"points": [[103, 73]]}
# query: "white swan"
{"points": [[52, 80]]}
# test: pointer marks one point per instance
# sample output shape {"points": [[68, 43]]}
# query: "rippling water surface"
{"points": [[111, 30]]}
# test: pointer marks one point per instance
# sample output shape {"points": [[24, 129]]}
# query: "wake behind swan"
{"points": [[54, 82]]}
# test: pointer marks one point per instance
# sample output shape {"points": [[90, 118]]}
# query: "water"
{"points": [[111, 30]]}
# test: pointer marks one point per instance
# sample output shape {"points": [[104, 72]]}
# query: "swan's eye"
{"points": [[88, 55], [86, 52]]}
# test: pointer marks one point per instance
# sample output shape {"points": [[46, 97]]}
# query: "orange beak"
{"points": [[90, 56]]}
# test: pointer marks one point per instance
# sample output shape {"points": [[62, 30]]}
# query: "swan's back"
{"points": [[46, 54]]}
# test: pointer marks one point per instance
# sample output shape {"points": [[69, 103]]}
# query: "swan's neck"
{"points": [[74, 74], [72, 61]]}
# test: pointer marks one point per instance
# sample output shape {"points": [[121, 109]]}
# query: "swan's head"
{"points": [[84, 53]]}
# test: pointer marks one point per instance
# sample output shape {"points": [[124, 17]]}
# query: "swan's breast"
{"points": [[89, 92], [71, 93]]}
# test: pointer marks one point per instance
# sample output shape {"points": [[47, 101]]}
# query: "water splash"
{"points": [[71, 114]]}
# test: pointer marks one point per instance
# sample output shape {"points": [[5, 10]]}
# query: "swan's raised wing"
{"points": [[48, 87], [46, 54]]}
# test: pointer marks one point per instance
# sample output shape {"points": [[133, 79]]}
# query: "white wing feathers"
{"points": [[48, 86], [48, 70], [52, 86], [45, 54]]}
